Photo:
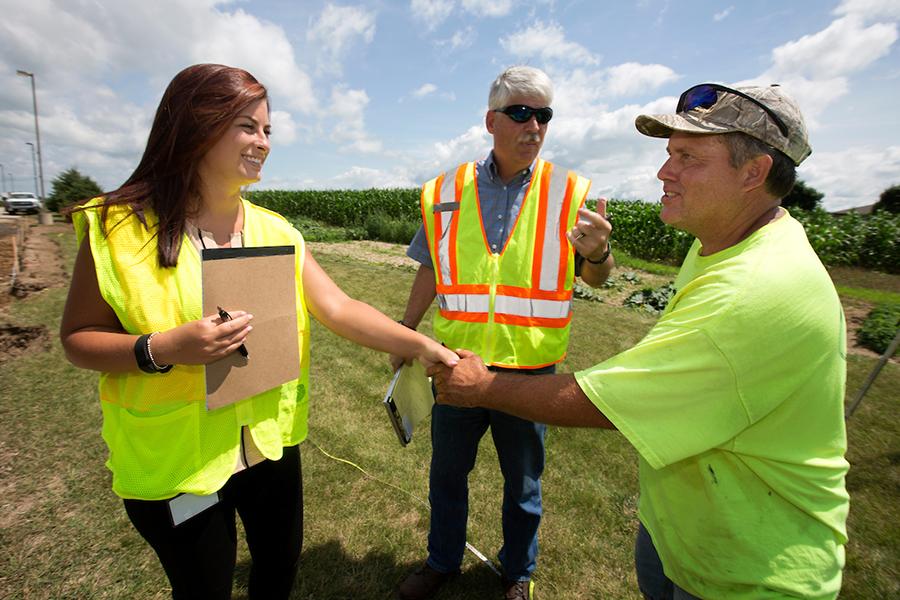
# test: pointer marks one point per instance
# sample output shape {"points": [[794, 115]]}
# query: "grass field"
{"points": [[65, 535]]}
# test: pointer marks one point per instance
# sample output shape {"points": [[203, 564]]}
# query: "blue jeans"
{"points": [[455, 434], [652, 581]]}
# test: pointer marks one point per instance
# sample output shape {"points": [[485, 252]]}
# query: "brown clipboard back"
{"points": [[260, 281]]}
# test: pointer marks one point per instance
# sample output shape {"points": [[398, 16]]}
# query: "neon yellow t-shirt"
{"points": [[734, 401]]}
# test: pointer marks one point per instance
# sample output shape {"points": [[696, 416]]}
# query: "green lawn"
{"points": [[65, 535]]}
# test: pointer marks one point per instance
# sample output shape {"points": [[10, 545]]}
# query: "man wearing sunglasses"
{"points": [[734, 399], [501, 243]]}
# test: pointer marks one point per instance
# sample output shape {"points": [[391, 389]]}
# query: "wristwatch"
{"points": [[602, 258]]}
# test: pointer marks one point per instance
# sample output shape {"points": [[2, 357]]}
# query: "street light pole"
{"points": [[33, 166], [37, 131], [3, 178]]}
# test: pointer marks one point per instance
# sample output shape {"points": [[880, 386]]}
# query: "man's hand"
{"points": [[463, 385], [590, 235]]}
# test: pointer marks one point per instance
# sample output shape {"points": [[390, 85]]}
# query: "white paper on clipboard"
{"points": [[408, 400]]}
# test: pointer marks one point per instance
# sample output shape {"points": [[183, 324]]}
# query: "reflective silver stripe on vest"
{"points": [[529, 307], [448, 194], [552, 247], [508, 305], [472, 303]]}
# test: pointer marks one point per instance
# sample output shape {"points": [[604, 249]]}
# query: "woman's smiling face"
{"points": [[237, 157]]}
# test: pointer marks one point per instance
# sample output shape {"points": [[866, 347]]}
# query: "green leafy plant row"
{"points": [[871, 241], [393, 215], [342, 207], [880, 327]]}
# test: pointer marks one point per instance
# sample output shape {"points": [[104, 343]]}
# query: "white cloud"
{"points": [[425, 90], [460, 39], [491, 8], [284, 130], [474, 143], [364, 177], [348, 108], [634, 78], [874, 170], [816, 69], [547, 42], [74, 48], [336, 29], [233, 39], [870, 9], [843, 47], [722, 15], [431, 12]]}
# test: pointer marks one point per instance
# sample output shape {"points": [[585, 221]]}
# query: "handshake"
{"points": [[464, 385]]}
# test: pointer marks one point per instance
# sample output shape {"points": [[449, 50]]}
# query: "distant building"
{"points": [[860, 210]]}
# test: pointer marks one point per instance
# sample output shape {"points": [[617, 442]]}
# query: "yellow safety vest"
{"points": [[161, 439], [513, 308]]}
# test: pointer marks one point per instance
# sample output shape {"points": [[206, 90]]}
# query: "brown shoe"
{"points": [[423, 583], [518, 590]]}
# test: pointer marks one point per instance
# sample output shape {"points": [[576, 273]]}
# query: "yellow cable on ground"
{"points": [[470, 547]]}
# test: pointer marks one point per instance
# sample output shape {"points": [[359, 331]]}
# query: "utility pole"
{"points": [[37, 131], [34, 168]]}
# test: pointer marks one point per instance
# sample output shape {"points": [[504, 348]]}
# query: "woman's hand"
{"points": [[434, 353], [202, 341]]}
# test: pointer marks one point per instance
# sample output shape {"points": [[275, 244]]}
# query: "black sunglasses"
{"points": [[522, 114], [706, 95]]}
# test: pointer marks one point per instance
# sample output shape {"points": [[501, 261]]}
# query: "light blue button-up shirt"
{"points": [[500, 205]]}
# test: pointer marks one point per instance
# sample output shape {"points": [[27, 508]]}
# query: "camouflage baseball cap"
{"points": [[765, 113]]}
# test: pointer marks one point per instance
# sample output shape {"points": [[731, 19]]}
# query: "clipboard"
{"points": [[408, 400], [259, 280]]}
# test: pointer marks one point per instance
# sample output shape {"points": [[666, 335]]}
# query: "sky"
{"points": [[391, 93]]}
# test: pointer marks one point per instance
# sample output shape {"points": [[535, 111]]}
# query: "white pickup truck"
{"points": [[24, 202]]}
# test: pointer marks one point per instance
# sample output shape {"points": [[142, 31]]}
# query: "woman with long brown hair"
{"points": [[134, 314]]}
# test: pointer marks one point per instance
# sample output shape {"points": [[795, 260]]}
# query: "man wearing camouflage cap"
{"points": [[734, 400]]}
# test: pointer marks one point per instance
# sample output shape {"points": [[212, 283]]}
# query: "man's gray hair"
{"points": [[743, 147], [523, 81]]}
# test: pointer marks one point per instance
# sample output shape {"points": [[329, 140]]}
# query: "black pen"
{"points": [[226, 317]]}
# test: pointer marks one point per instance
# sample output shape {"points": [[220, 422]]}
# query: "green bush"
{"points": [[802, 196], [880, 327], [315, 231], [70, 187], [387, 229], [889, 200]]}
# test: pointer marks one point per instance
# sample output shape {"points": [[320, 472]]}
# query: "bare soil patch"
{"points": [[15, 340], [380, 253], [40, 267], [41, 264]]}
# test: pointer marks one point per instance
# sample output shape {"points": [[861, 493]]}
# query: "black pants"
{"points": [[199, 555]]}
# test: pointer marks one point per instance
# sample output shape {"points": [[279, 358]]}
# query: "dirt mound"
{"points": [[15, 340], [42, 265]]}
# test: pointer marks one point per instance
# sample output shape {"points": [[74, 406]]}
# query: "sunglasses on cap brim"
{"points": [[522, 114], [706, 95]]}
